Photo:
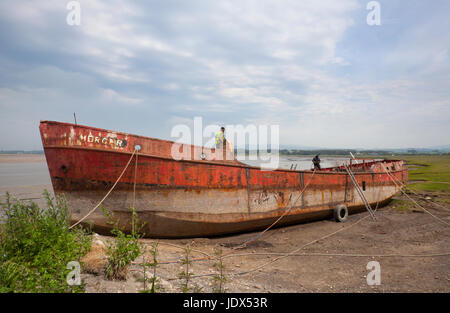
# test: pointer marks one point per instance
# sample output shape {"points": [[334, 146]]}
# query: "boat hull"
{"points": [[192, 198]]}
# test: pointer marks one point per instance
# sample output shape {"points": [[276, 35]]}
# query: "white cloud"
{"points": [[110, 95]]}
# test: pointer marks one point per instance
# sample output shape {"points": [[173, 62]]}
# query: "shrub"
{"points": [[124, 248], [36, 245]]}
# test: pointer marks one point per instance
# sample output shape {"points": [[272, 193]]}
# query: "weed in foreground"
{"points": [[219, 278], [187, 274], [155, 283], [124, 248], [36, 245]]}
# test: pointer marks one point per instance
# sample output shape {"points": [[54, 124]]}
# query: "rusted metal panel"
{"points": [[196, 197]]}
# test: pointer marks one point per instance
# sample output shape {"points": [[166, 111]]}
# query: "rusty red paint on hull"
{"points": [[195, 197]]}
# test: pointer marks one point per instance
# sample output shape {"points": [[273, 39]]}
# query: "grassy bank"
{"points": [[429, 172]]}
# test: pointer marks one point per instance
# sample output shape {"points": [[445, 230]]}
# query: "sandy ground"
{"points": [[21, 158], [400, 233], [405, 232]]}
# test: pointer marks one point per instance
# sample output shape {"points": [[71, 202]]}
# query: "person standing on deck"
{"points": [[220, 138], [316, 162]]}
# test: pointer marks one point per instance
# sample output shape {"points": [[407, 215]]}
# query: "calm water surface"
{"points": [[24, 174]]}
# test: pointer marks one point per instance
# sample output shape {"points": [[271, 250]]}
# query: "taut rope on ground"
{"points": [[417, 204], [294, 252], [431, 201], [279, 218], [345, 255], [255, 237], [300, 248]]}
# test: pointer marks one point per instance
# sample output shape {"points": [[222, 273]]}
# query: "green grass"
{"points": [[402, 205], [433, 170]]}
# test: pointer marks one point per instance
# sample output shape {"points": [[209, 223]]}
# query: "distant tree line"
{"points": [[343, 152], [346, 152], [315, 152]]}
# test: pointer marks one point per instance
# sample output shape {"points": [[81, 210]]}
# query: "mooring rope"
{"points": [[345, 255], [107, 194], [255, 237], [432, 255], [279, 218], [178, 247], [135, 175], [401, 189], [292, 253], [298, 249], [134, 191], [406, 187]]}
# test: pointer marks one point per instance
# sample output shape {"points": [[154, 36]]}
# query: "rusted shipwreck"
{"points": [[198, 196]]}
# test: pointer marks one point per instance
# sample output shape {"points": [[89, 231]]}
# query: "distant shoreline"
{"points": [[22, 158], [21, 152]]}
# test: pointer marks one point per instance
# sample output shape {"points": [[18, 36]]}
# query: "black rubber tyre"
{"points": [[340, 213]]}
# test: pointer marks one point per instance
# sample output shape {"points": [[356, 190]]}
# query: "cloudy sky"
{"points": [[316, 68]]}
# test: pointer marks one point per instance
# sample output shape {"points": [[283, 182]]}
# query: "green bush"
{"points": [[124, 248], [36, 245]]}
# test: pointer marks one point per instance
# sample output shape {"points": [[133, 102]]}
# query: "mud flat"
{"points": [[323, 268], [22, 158]]}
